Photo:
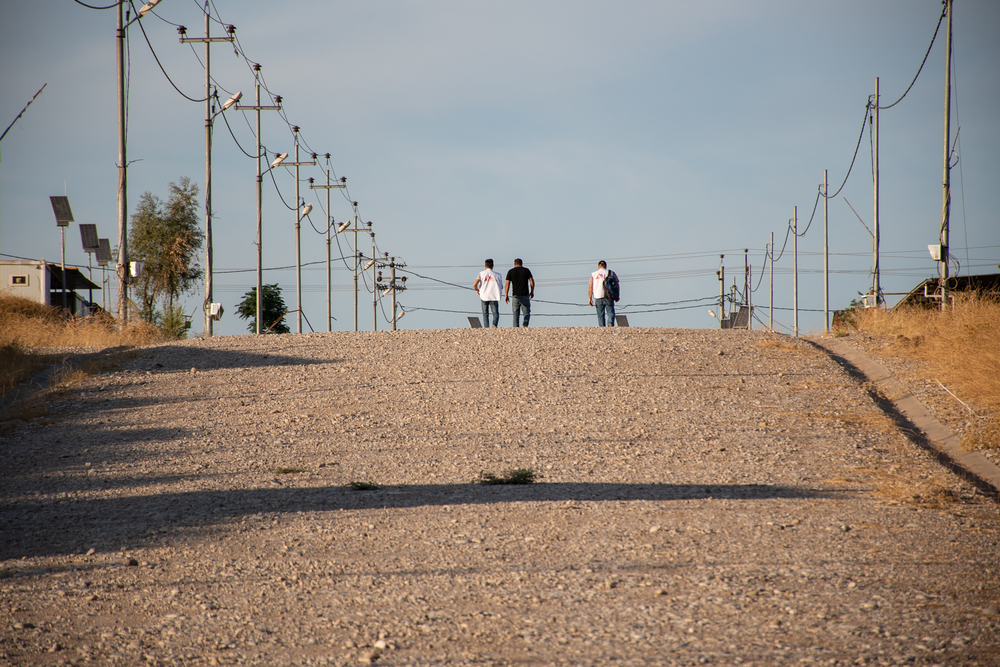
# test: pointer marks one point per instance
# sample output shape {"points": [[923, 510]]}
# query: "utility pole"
{"points": [[826, 259], [123, 266], [298, 225], [209, 115], [946, 186], [722, 289], [795, 269], [770, 302], [329, 226], [393, 286], [358, 256], [374, 290], [747, 284], [260, 179], [877, 285]]}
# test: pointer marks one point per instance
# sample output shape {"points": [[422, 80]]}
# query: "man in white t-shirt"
{"points": [[487, 286], [596, 296]]}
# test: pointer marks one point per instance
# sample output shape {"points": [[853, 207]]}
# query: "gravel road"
{"points": [[704, 497]]}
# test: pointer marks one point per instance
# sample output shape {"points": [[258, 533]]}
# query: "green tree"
{"points": [[272, 309], [166, 238]]}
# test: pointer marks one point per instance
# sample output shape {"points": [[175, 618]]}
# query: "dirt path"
{"points": [[705, 497]]}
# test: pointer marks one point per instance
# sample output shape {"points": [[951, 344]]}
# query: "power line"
{"points": [[944, 13], [157, 59]]}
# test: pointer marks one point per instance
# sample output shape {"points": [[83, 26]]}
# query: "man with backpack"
{"points": [[487, 286], [603, 291]]}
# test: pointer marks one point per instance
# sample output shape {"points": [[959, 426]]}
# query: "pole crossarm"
{"points": [[204, 40]]}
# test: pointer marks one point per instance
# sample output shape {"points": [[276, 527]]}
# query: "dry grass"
{"points": [[29, 330], [959, 347]]}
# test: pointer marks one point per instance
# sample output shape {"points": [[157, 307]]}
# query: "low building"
{"points": [[42, 282], [928, 293]]}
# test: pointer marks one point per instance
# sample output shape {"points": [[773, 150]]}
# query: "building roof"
{"points": [[983, 284]]}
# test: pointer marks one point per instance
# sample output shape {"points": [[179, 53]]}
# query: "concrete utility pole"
{"points": [[826, 258], [722, 289], [877, 284], [260, 179], [298, 226], [393, 286], [770, 302], [329, 227], [795, 269], [374, 289], [123, 266], [207, 40], [946, 186]]}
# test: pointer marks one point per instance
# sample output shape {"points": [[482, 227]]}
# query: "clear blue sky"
{"points": [[656, 135]]}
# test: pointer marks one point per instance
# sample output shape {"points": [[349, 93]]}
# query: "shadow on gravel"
{"points": [[172, 358], [33, 528]]}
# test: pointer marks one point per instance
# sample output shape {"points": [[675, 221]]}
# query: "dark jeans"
{"points": [[521, 304], [495, 307], [605, 311]]}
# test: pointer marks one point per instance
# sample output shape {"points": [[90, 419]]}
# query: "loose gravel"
{"points": [[705, 497]]}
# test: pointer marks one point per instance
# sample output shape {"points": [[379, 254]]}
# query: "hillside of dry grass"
{"points": [[30, 333], [958, 347]]}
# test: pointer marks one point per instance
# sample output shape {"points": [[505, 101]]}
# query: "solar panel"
{"points": [[103, 251], [88, 234], [60, 206]]}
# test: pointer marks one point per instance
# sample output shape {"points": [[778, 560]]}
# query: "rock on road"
{"points": [[704, 497]]}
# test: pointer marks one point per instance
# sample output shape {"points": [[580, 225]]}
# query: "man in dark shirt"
{"points": [[519, 278]]}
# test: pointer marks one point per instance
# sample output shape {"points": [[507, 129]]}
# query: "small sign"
{"points": [[19, 281]]}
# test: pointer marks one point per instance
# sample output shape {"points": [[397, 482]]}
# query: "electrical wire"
{"points": [[157, 59], [276, 189], [93, 7], [944, 12], [864, 124], [809, 224], [237, 141]]}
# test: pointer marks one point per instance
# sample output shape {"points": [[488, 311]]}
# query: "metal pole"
{"points": [[877, 286], [374, 289], [795, 270], [826, 258], [946, 186], [260, 273], [770, 284], [298, 242], [63, 248], [208, 175], [123, 267], [90, 272]]}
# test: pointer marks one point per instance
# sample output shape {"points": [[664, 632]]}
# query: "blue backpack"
{"points": [[612, 288]]}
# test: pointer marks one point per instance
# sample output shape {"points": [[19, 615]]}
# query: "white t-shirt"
{"points": [[597, 280], [489, 285]]}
